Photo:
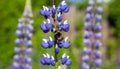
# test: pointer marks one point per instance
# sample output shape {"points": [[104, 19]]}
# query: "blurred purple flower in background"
{"points": [[92, 57], [23, 42]]}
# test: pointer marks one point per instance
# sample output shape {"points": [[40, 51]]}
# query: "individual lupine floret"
{"points": [[87, 42], [45, 12], [47, 26], [89, 9], [98, 17], [47, 43], [64, 43], [97, 62], [87, 17], [85, 66], [87, 34], [97, 35], [63, 7], [97, 27], [59, 17], [97, 54], [99, 10], [65, 60], [53, 11], [97, 44], [87, 51], [56, 49], [87, 26], [85, 58], [48, 60]]}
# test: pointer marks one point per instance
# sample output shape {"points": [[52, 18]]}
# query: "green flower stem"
{"points": [[57, 65], [28, 2]]}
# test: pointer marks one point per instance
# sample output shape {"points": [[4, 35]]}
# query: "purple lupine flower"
{"points": [[24, 34], [98, 62], [18, 42], [20, 26], [56, 49], [50, 42], [53, 11], [15, 66], [87, 51], [68, 63], [92, 27], [48, 60], [65, 26], [85, 66], [17, 50], [29, 43], [63, 7], [87, 17], [44, 28], [87, 42], [87, 34], [17, 58], [97, 44], [59, 17], [50, 25], [98, 35], [30, 28], [97, 27], [87, 26], [19, 33], [28, 60], [27, 66], [28, 51], [99, 10], [97, 54], [89, 9], [65, 60], [66, 44], [45, 44], [85, 58], [45, 12], [98, 17]]}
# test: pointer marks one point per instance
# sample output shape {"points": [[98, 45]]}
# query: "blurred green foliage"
{"points": [[114, 17]]}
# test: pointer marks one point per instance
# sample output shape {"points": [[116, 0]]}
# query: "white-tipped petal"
{"points": [[65, 22], [50, 38], [48, 55], [53, 58], [44, 55], [59, 67], [56, 46], [63, 55], [66, 39], [63, 2], [59, 14], [44, 22], [45, 40], [44, 7], [68, 57], [54, 6], [48, 20]]}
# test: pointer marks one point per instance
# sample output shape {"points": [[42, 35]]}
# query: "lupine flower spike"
{"points": [[92, 57], [23, 42], [56, 26]]}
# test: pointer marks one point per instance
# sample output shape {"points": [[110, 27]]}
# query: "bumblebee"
{"points": [[58, 36]]}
